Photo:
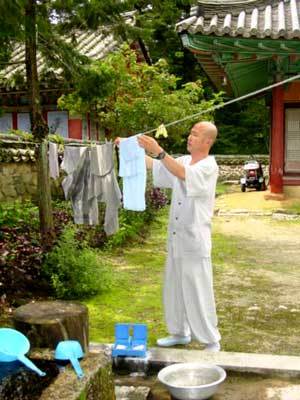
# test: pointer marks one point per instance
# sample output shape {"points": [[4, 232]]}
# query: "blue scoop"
{"points": [[13, 346], [70, 350]]}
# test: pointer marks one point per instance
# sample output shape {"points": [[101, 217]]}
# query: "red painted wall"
{"points": [[292, 92], [75, 128], [292, 95]]}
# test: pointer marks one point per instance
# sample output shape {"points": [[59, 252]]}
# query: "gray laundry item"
{"points": [[53, 160], [102, 159], [71, 158], [76, 188], [94, 181], [104, 185]]}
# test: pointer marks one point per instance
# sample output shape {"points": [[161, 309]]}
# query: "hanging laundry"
{"points": [[133, 171], [71, 158], [53, 160], [104, 185], [161, 131], [92, 179]]}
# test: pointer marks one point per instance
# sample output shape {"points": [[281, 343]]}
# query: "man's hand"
{"points": [[149, 144], [117, 141]]}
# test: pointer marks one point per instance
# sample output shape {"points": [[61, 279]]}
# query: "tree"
{"points": [[40, 24], [243, 128], [39, 127], [137, 97], [155, 25]]}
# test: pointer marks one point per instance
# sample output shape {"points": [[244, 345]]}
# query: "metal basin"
{"points": [[192, 381]]}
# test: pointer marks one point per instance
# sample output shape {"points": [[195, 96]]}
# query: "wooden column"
{"points": [[277, 141], [15, 120]]}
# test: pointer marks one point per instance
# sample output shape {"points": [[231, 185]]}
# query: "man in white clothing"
{"points": [[189, 304]]}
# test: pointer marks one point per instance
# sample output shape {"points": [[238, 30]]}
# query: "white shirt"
{"points": [[192, 205]]}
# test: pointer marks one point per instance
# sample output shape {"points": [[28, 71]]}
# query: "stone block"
{"points": [[10, 192], [31, 189]]}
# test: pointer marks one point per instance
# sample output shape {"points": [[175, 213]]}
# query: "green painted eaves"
{"points": [[262, 47], [248, 76], [248, 64]]}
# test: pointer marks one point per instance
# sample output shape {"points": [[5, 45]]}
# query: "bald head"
{"points": [[201, 138], [207, 129]]}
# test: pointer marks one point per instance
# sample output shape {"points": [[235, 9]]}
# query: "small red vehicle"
{"points": [[253, 176]]}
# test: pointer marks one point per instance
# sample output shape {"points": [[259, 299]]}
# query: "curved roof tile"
{"points": [[252, 18], [93, 44]]}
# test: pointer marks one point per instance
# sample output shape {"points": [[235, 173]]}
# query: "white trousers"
{"points": [[188, 297]]}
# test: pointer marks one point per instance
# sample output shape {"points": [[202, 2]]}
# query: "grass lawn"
{"points": [[136, 292], [257, 297]]}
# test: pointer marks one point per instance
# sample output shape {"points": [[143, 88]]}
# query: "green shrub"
{"points": [[75, 271], [131, 225], [19, 212]]}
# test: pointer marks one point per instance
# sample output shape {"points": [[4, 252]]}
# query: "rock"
{"points": [[131, 392], [282, 308], [254, 308]]}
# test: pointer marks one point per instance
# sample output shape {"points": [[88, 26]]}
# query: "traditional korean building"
{"points": [[244, 46], [13, 91]]}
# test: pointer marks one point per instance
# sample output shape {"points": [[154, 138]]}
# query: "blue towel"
{"points": [[133, 171]]}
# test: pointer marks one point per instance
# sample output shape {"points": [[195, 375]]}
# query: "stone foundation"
{"points": [[18, 181], [292, 191]]}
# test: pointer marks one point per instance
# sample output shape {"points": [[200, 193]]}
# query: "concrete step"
{"points": [[157, 358]]}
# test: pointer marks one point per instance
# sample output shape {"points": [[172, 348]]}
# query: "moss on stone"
{"points": [[97, 383]]}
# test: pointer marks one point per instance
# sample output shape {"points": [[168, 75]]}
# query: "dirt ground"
{"points": [[256, 276], [251, 200], [275, 240]]}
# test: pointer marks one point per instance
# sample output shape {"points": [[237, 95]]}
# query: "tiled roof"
{"points": [[93, 44], [260, 19], [17, 155]]}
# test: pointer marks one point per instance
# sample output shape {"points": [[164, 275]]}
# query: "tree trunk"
{"points": [[38, 126], [46, 323], [144, 51]]}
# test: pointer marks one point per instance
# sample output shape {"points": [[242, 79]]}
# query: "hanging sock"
{"points": [[161, 131]]}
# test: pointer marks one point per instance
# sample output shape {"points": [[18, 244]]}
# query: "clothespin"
{"points": [[161, 131]]}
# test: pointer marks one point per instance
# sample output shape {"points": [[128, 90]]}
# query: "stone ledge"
{"points": [[98, 379], [243, 213], [282, 216], [264, 364], [275, 196]]}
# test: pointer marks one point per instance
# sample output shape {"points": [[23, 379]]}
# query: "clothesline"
{"points": [[213, 108], [10, 139], [74, 142]]}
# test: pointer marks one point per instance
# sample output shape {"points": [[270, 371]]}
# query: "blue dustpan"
{"points": [[13, 346], [70, 350]]}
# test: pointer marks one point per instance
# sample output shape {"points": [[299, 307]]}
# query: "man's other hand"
{"points": [[149, 144], [117, 141]]}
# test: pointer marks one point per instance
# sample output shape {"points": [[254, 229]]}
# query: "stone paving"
{"points": [[261, 376]]}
